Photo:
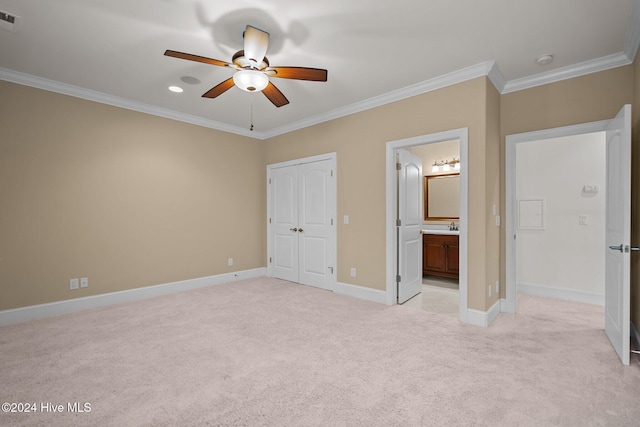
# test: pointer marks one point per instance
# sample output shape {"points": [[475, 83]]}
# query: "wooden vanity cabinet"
{"points": [[440, 255]]}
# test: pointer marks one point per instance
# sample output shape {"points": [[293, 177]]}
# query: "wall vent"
{"points": [[9, 22]]}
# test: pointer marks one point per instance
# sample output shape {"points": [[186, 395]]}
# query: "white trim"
{"points": [[569, 72], [22, 314], [484, 318], [496, 77], [334, 255], [479, 70], [462, 135], [510, 194], [361, 292], [116, 101], [489, 69], [632, 42], [568, 294]]}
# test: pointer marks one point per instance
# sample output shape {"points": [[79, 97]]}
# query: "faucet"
{"points": [[452, 226]]}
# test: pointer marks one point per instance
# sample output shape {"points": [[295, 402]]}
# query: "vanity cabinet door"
{"points": [[435, 256], [440, 255], [453, 255]]}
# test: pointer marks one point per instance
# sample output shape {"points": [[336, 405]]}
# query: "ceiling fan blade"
{"points": [[274, 95], [219, 89], [256, 43], [197, 58], [298, 73]]}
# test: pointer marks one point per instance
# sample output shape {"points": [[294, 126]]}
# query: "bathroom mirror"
{"points": [[442, 197]]}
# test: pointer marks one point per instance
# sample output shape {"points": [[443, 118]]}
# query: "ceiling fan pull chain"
{"points": [[251, 128]]}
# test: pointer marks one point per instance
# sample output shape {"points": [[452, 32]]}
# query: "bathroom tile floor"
{"points": [[438, 296]]}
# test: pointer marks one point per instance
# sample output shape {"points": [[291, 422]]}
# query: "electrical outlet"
{"points": [[230, 262], [73, 284], [84, 282], [353, 272]]}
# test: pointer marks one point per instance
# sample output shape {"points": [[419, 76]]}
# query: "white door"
{"points": [[618, 233], [409, 224], [302, 235], [315, 208], [284, 223]]}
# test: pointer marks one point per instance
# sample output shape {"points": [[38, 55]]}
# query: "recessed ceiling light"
{"points": [[544, 59], [175, 89]]}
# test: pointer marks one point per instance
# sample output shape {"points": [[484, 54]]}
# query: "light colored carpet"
{"points": [[265, 352]]}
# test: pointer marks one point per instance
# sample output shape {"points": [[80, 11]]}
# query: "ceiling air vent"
{"points": [[9, 22]]}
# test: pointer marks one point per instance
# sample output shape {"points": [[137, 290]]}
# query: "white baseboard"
{"points": [[561, 293], [483, 318], [505, 306], [22, 314], [361, 292]]}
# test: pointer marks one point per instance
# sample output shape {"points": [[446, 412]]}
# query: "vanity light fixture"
{"points": [[446, 166]]}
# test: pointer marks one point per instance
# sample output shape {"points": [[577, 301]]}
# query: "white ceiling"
{"points": [[375, 51]]}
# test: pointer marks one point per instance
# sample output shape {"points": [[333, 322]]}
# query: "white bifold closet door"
{"points": [[302, 205]]}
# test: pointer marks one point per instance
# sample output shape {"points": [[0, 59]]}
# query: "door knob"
{"points": [[616, 248], [294, 229], [300, 230]]}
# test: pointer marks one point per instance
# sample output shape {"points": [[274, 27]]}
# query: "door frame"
{"points": [[462, 135], [333, 250], [510, 302]]}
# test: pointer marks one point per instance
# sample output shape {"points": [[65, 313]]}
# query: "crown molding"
{"points": [[459, 76], [103, 98], [487, 69], [569, 72], [632, 43], [496, 77]]}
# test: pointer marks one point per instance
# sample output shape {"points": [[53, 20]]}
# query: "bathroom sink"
{"points": [[446, 232]]}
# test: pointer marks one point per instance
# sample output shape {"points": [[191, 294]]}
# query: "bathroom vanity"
{"points": [[440, 253]]}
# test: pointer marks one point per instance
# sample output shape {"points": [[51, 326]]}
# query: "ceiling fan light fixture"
{"points": [[251, 80]]}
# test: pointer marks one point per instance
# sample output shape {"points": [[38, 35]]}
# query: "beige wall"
{"points": [[360, 140], [598, 96], [130, 200], [123, 198]]}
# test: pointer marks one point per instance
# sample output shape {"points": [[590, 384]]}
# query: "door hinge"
{"points": [[398, 278], [269, 180], [269, 260], [398, 222], [331, 221], [398, 166], [331, 172]]}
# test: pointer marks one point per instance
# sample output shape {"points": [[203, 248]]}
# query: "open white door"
{"points": [[408, 224], [618, 233]]}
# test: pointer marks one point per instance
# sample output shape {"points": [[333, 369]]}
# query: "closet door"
{"points": [[284, 222], [302, 224], [314, 224]]}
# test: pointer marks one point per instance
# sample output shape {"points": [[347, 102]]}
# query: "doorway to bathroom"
{"points": [[438, 292], [440, 222]]}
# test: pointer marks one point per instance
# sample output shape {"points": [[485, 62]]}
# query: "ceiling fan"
{"points": [[253, 69]]}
